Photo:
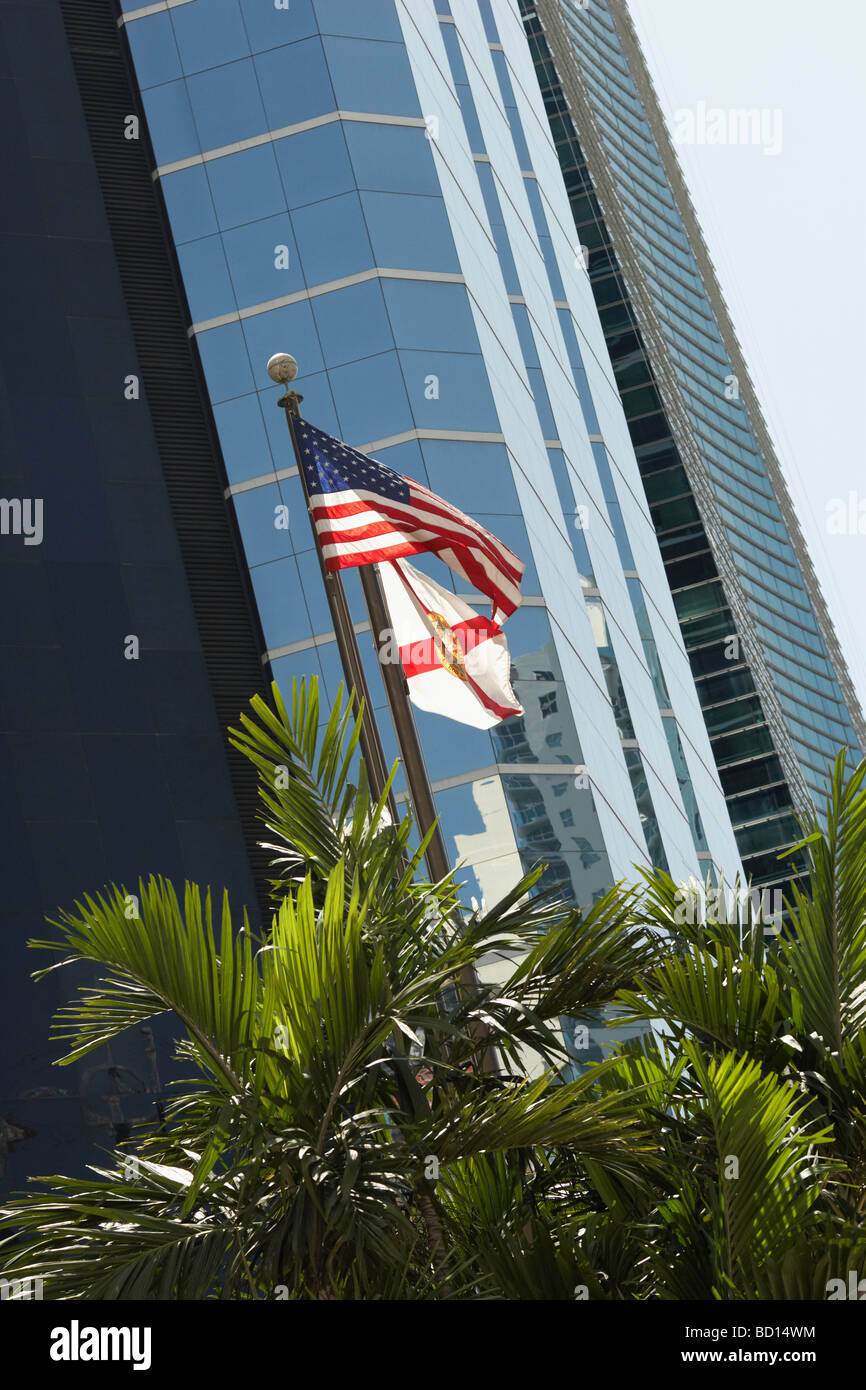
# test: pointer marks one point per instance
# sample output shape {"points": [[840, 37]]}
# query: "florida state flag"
{"points": [[456, 661]]}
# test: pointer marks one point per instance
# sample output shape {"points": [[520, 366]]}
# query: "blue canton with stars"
{"points": [[331, 466]]}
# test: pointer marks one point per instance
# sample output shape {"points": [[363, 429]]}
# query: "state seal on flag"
{"points": [[448, 647]]}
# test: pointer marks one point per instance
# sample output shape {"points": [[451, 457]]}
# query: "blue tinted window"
{"points": [[243, 439], [371, 76], [312, 592], [475, 477], [502, 73], [269, 27], [332, 239], [227, 104], [451, 748], [280, 603], [188, 201], [427, 314], [470, 119], [206, 278], [287, 329], [395, 158], [154, 50], [371, 399], [245, 186], [566, 323], [464, 398], [542, 403], [352, 323], [521, 148], [315, 164], [489, 22], [451, 40], [258, 513], [410, 232], [295, 83], [263, 260], [297, 667], [170, 123], [497, 228], [373, 19], [226, 362], [520, 314], [209, 33]]}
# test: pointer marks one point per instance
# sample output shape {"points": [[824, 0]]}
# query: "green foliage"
{"points": [[372, 1112]]}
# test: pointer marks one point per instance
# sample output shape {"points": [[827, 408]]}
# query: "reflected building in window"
{"points": [[777, 698]]}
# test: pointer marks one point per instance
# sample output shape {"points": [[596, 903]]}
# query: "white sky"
{"points": [[786, 235]]}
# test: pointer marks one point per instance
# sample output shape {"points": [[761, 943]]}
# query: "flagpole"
{"points": [[283, 368], [414, 766]]}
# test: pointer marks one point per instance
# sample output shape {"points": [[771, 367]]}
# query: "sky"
{"points": [[785, 231]]}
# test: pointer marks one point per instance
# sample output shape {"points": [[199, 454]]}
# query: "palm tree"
{"points": [[343, 1118], [368, 1118], [757, 1075]]}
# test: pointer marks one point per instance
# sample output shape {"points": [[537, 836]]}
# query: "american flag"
{"points": [[366, 513]]}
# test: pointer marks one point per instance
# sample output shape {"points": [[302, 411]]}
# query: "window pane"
{"points": [[263, 260], [259, 513], [475, 477], [410, 232], [189, 204], [154, 50], [370, 397], [392, 158], [430, 315], [280, 603], [243, 438], [315, 163], [449, 391], [226, 362], [209, 33], [295, 83], [269, 27], [374, 19], [245, 186], [170, 123], [227, 104], [371, 76], [206, 278], [352, 323], [332, 239]]}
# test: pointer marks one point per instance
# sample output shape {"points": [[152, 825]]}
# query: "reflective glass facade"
{"points": [[776, 696], [373, 188]]}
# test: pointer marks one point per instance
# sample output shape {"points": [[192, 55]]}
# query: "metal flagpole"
{"points": [[414, 765], [283, 368]]}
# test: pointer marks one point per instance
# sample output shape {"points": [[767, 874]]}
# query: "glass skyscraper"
{"points": [[373, 188], [772, 680]]}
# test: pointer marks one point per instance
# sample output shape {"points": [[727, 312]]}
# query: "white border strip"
{"points": [[269, 136], [145, 10]]}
